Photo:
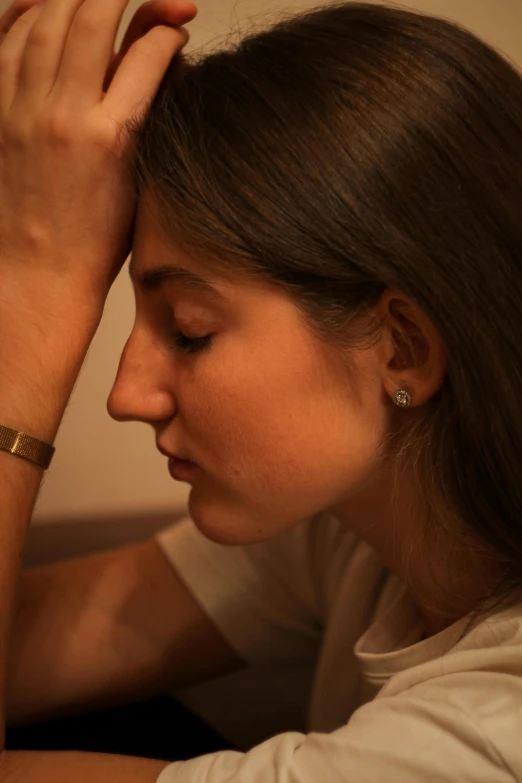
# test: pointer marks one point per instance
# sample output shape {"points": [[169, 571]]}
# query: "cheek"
{"points": [[277, 443], [279, 423], [279, 418], [226, 406]]}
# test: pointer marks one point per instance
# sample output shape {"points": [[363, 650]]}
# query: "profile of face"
{"points": [[278, 430]]}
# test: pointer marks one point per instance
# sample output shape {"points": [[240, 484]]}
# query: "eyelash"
{"points": [[180, 342]]}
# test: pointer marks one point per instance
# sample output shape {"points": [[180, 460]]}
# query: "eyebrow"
{"points": [[152, 279]]}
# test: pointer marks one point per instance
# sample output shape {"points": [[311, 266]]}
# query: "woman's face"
{"points": [[278, 425]]}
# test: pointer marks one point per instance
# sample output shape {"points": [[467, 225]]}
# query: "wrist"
{"points": [[49, 299], [41, 355]]}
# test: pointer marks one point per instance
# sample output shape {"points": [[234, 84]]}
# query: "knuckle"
{"points": [[57, 126], [87, 23], [143, 48], [105, 135], [161, 38], [40, 36]]}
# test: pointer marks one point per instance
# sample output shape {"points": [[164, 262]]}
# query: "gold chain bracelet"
{"points": [[25, 446]]}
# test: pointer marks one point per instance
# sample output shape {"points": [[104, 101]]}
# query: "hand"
{"points": [[66, 202], [148, 15]]}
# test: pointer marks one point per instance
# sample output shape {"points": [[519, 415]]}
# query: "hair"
{"points": [[356, 148]]}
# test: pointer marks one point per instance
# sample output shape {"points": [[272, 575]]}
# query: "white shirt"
{"points": [[340, 686]]}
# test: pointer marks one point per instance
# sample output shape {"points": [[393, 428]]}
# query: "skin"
{"points": [[280, 425], [63, 97], [251, 410], [66, 216]]}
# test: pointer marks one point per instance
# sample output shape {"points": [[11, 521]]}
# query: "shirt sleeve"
{"points": [[265, 598], [412, 737]]}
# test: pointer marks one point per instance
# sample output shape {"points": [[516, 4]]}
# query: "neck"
{"points": [[446, 578]]}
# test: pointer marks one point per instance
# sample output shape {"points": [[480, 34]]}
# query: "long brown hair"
{"points": [[355, 148]]}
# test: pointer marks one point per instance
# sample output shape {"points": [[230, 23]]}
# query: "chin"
{"points": [[237, 529]]}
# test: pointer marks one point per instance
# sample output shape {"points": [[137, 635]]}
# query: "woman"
{"points": [[326, 261]]}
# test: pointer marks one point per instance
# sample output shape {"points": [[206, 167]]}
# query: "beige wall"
{"points": [[102, 468]]}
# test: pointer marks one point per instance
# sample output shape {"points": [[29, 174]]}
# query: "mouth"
{"points": [[170, 455], [180, 469]]}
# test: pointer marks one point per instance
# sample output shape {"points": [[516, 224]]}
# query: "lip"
{"points": [[169, 454], [180, 469]]}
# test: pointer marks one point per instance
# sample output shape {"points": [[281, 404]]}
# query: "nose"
{"points": [[140, 391]]}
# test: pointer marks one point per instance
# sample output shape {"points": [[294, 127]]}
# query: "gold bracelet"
{"points": [[25, 446]]}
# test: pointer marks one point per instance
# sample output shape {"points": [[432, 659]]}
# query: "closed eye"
{"points": [[180, 342]]}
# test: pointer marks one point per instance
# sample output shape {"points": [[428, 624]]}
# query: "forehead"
{"points": [[158, 259]]}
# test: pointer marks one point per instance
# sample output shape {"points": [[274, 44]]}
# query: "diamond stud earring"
{"points": [[402, 398]]}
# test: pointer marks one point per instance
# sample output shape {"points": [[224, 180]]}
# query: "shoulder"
{"points": [[472, 692]]}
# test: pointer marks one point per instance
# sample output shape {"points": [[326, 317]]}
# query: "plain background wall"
{"points": [[102, 468]]}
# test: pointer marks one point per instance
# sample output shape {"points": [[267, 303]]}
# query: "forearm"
{"points": [[67, 208], [53, 767], [39, 362]]}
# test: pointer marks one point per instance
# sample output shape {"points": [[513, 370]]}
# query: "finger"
{"points": [[63, 26], [14, 11], [11, 53], [155, 12], [139, 76], [45, 46], [89, 50], [148, 15]]}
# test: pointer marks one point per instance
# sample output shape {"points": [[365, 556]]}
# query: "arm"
{"points": [[31, 767], [66, 215], [33, 397], [36, 410], [104, 629]]}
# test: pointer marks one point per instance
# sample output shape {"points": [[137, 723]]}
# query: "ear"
{"points": [[414, 354]]}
